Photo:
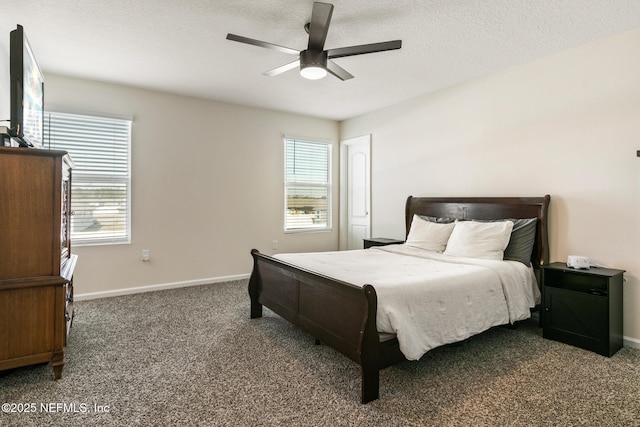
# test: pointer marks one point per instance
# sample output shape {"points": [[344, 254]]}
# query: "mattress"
{"points": [[428, 299]]}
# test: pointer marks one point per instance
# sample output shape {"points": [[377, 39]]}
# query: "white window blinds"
{"points": [[307, 185], [100, 188]]}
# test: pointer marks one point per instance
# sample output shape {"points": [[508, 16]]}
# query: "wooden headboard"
{"points": [[488, 208]]}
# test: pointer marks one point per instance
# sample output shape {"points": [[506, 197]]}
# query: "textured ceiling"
{"points": [[179, 46]]}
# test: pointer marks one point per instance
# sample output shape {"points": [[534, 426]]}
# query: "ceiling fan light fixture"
{"points": [[313, 72], [313, 64]]}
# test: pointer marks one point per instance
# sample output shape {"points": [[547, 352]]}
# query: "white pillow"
{"points": [[429, 235], [474, 239]]}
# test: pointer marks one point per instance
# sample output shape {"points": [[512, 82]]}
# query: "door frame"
{"points": [[344, 190]]}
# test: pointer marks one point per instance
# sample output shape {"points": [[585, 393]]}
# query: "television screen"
{"points": [[27, 91]]}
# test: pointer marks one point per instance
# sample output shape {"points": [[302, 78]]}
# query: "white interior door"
{"points": [[357, 186]]}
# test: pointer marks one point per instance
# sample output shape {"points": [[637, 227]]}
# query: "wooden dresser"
{"points": [[36, 264]]}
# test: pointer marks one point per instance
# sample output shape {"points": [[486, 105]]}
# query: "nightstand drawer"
{"points": [[577, 281]]}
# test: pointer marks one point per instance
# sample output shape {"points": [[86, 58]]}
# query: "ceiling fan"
{"points": [[315, 62]]}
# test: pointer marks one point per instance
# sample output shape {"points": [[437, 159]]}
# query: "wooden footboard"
{"points": [[337, 313]]}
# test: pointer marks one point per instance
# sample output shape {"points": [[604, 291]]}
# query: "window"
{"points": [[307, 180], [101, 183]]}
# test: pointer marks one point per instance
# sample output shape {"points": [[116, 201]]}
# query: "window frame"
{"points": [[293, 184], [78, 178]]}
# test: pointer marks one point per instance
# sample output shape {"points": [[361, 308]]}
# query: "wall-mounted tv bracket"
{"points": [[7, 131]]}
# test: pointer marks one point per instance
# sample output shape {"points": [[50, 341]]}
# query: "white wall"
{"points": [[566, 125], [206, 185]]}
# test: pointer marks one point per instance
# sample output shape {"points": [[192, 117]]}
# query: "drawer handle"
{"points": [[597, 291]]}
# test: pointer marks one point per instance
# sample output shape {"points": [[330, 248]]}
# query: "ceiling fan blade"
{"points": [[338, 71], [319, 25], [341, 52], [260, 43], [281, 69]]}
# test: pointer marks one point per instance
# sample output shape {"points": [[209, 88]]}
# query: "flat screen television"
{"points": [[27, 91]]}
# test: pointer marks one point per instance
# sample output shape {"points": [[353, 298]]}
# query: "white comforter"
{"points": [[429, 299]]}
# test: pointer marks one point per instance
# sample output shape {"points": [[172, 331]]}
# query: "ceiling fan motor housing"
{"points": [[313, 58]]}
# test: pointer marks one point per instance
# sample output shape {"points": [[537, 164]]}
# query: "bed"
{"points": [[348, 313]]}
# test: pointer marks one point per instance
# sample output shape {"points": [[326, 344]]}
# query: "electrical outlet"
{"points": [[146, 255], [274, 244]]}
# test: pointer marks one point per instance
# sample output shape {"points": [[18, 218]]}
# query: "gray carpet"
{"points": [[193, 357]]}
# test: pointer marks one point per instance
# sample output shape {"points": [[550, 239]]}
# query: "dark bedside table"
{"points": [[583, 307], [380, 241]]}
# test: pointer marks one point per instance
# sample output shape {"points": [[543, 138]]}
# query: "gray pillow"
{"points": [[520, 245]]}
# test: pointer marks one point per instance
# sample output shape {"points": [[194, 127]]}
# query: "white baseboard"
{"points": [[630, 342], [150, 288]]}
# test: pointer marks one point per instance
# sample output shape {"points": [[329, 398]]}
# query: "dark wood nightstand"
{"points": [[583, 307], [380, 241]]}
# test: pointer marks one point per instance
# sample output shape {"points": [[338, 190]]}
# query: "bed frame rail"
{"points": [[336, 313]]}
